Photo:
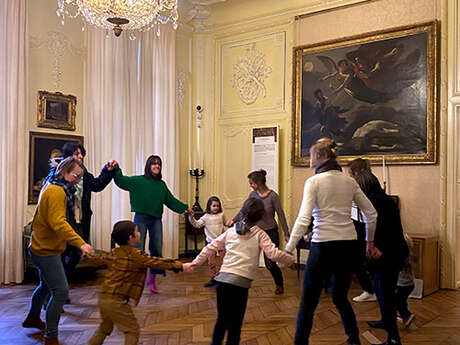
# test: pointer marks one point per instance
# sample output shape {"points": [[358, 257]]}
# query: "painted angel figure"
{"points": [[373, 73]]}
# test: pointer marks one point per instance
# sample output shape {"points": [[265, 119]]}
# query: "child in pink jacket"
{"points": [[242, 244]]}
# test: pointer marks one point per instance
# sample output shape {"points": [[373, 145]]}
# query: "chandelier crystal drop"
{"points": [[121, 15]]}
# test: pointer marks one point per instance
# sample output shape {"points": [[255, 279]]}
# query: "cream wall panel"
{"points": [[234, 119], [184, 43], [234, 143], [56, 63], [252, 75]]}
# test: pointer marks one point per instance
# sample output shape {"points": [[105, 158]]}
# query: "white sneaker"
{"points": [[365, 297]]}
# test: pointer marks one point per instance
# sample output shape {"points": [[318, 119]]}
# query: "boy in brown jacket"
{"points": [[124, 281]]}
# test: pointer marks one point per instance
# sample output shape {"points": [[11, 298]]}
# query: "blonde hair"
{"points": [[325, 148], [67, 165]]}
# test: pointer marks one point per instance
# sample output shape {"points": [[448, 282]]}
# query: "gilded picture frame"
{"points": [[42, 148], [375, 94], [56, 110]]}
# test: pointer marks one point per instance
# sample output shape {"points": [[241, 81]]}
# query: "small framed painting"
{"points": [[56, 110]]}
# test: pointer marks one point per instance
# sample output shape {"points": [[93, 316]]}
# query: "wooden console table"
{"points": [[425, 256]]}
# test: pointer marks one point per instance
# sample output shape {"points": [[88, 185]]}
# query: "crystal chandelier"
{"points": [[121, 15]]}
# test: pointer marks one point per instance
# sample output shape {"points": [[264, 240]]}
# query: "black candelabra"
{"points": [[197, 174]]}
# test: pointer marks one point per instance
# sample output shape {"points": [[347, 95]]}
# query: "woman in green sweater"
{"points": [[147, 195]]}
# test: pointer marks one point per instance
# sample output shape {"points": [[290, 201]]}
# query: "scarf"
{"points": [[330, 164], [69, 190]]}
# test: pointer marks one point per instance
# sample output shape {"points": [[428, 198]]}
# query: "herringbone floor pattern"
{"points": [[184, 313]]}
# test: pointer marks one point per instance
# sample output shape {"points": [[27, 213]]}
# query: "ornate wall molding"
{"points": [[249, 75], [247, 82], [181, 78], [58, 46]]}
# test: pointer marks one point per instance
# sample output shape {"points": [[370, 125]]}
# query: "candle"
{"points": [[198, 144], [384, 174], [190, 124]]}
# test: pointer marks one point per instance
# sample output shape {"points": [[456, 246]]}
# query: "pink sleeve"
{"points": [[211, 248], [273, 253]]}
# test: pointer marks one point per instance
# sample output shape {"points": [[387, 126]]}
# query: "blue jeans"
{"points": [[154, 226], [53, 281], [338, 258]]}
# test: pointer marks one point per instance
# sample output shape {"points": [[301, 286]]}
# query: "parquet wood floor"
{"points": [[184, 313]]}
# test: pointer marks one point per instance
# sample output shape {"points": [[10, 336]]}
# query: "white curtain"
{"points": [[129, 114], [13, 138]]}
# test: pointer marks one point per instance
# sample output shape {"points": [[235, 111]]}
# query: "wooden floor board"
{"points": [[184, 313]]}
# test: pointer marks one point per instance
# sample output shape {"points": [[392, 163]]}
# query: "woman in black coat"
{"points": [[389, 240]]}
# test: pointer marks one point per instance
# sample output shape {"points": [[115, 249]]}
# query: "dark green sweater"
{"points": [[148, 196]]}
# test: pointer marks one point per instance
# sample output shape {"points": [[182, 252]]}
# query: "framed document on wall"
{"points": [[265, 153]]}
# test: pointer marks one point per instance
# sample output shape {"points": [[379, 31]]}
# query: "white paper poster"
{"points": [[265, 150]]}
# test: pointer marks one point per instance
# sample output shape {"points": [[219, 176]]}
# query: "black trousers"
{"points": [[271, 265], [231, 307], [338, 258], [361, 271], [385, 280], [402, 293]]}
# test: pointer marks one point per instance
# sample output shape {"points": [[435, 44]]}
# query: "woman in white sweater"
{"points": [[242, 244], [328, 196]]}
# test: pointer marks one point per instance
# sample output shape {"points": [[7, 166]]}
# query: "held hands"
{"points": [[190, 212], [86, 249], [373, 253], [188, 267], [111, 165], [229, 223]]}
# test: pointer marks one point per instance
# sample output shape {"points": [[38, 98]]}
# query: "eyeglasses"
{"points": [[76, 176]]}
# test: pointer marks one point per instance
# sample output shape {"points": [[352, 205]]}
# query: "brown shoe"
{"points": [[52, 341], [33, 322], [279, 290]]}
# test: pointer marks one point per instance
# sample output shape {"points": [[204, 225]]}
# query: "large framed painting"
{"points": [[56, 110], [374, 94], [43, 148]]}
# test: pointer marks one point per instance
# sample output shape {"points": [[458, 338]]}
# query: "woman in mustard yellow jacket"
{"points": [[50, 233]]}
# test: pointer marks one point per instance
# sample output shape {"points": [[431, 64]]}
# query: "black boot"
{"points": [[376, 324]]}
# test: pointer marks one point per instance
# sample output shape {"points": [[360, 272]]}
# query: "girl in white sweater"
{"points": [[213, 221], [242, 244]]}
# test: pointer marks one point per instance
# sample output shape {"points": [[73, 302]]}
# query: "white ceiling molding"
{"points": [[317, 6], [205, 2], [197, 12]]}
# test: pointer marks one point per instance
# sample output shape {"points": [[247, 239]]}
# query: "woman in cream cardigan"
{"points": [[327, 197]]}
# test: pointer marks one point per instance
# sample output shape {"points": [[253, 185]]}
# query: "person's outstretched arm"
{"points": [[273, 253], [122, 181]]}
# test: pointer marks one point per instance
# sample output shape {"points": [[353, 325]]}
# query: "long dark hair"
{"points": [[210, 200], [361, 171], [70, 147], [253, 211], [259, 177], [148, 172]]}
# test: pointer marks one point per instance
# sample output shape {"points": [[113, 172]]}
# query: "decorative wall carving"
{"points": [[58, 45], [181, 78], [249, 75], [248, 79]]}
